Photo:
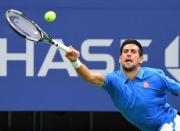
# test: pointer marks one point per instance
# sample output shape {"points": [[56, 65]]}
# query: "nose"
{"points": [[129, 54]]}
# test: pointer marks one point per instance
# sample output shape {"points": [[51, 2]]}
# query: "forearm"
{"points": [[83, 71], [89, 76]]}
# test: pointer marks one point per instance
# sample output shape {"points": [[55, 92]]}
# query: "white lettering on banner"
{"points": [[28, 57], [172, 51], [172, 58], [87, 44], [50, 64]]}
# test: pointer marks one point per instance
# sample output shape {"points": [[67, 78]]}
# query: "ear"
{"points": [[141, 59], [120, 59]]}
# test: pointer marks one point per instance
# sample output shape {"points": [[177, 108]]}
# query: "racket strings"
{"points": [[23, 25]]}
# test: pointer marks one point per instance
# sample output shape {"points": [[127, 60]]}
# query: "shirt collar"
{"points": [[139, 75]]}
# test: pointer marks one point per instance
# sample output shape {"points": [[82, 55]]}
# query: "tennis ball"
{"points": [[50, 16]]}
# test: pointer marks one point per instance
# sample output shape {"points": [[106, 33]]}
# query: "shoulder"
{"points": [[113, 74], [113, 80], [153, 71]]}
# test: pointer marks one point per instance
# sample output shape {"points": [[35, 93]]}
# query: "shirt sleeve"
{"points": [[107, 81], [108, 84], [171, 85]]}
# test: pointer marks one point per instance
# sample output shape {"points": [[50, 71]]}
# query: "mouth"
{"points": [[128, 61]]}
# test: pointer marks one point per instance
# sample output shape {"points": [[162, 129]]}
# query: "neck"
{"points": [[132, 74]]}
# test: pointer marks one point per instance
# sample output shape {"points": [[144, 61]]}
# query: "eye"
{"points": [[125, 51], [134, 51]]}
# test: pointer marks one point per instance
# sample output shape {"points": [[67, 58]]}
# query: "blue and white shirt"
{"points": [[142, 101]]}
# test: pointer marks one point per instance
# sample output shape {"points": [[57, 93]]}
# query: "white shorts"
{"points": [[173, 126]]}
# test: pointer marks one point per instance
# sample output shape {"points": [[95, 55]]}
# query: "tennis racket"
{"points": [[28, 29]]}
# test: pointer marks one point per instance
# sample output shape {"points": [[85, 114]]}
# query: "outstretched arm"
{"points": [[82, 70]]}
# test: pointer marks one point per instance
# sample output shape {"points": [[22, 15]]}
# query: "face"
{"points": [[130, 58]]}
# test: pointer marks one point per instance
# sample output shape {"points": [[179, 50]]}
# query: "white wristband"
{"points": [[76, 64]]}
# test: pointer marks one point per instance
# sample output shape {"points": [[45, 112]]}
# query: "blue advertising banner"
{"points": [[38, 77]]}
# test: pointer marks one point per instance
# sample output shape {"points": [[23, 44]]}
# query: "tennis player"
{"points": [[139, 93]]}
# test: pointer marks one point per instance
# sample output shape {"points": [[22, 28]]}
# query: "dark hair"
{"points": [[135, 42]]}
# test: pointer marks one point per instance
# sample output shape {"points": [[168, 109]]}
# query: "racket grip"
{"points": [[61, 45]]}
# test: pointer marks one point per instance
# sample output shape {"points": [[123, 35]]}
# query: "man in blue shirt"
{"points": [[139, 93]]}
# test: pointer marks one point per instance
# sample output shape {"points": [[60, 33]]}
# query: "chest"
{"points": [[145, 88], [138, 92]]}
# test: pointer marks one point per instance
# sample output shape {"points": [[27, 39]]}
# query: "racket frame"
{"points": [[44, 36]]}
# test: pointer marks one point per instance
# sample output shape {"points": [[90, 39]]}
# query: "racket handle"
{"points": [[60, 45]]}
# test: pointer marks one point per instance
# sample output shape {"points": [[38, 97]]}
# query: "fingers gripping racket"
{"points": [[29, 29]]}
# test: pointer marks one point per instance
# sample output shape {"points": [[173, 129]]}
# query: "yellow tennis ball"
{"points": [[50, 16]]}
